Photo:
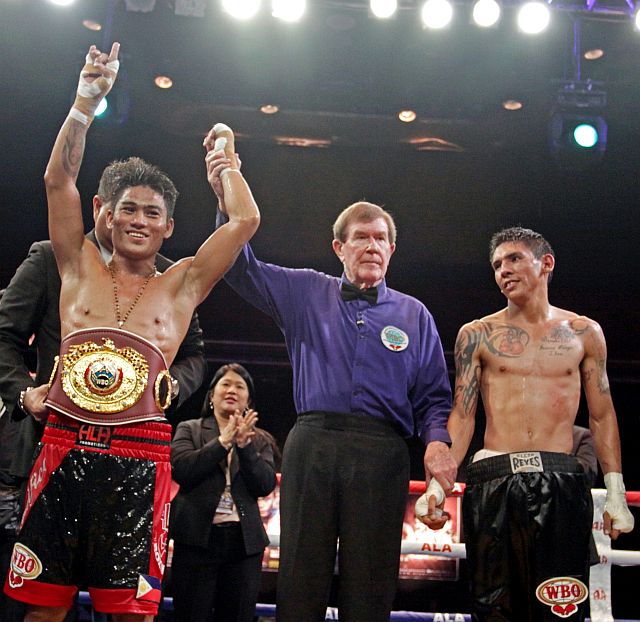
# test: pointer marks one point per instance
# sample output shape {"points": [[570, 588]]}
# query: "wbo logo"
{"points": [[562, 594], [25, 565], [394, 339]]}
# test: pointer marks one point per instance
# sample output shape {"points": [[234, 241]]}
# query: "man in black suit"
{"points": [[30, 306]]}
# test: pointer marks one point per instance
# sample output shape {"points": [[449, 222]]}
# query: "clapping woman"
{"points": [[223, 463]]}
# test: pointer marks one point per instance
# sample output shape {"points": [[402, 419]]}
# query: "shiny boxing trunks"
{"points": [[527, 523], [97, 506]]}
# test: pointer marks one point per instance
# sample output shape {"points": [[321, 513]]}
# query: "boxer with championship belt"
{"points": [[96, 512]]}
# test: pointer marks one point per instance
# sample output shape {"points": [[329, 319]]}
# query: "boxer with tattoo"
{"points": [[527, 510], [97, 504]]}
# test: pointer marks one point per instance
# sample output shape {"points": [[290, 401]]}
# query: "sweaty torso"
{"points": [[530, 381], [161, 314]]}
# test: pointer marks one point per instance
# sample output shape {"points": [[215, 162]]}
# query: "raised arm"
{"points": [[220, 250], [66, 228], [604, 429]]}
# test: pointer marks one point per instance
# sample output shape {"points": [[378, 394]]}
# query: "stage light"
{"points": [[637, 20], [512, 104], [62, 2], [594, 54], [383, 9], [407, 116], [102, 107], [486, 13], [91, 24], [241, 9], [585, 135], [288, 10], [533, 17], [436, 13], [577, 140], [269, 109], [163, 82]]}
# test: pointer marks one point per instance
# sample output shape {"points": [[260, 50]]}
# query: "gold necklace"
{"points": [[116, 300]]}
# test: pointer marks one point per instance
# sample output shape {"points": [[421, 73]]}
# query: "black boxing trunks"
{"points": [[97, 506], [96, 514], [527, 522]]}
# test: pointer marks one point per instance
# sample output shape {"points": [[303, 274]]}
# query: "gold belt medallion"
{"points": [[103, 378]]}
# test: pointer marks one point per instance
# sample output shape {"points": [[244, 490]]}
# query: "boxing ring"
{"points": [[600, 590]]}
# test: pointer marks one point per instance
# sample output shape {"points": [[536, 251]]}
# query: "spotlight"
{"points": [[577, 140], [533, 17], [102, 107], [586, 135], [288, 10], [436, 13], [407, 116], [62, 2], [383, 9], [92, 24], [241, 9], [637, 20], [594, 54], [163, 82], [486, 13], [512, 104], [269, 109]]}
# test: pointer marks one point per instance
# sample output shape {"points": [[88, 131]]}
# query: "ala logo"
{"points": [[562, 594], [160, 539]]}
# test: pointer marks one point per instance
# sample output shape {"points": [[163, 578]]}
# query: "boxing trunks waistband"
{"points": [[346, 421], [109, 376], [149, 440], [504, 465]]}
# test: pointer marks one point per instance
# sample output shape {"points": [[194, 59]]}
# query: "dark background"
{"points": [[464, 169]]}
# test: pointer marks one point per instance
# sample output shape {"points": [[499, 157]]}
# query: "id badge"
{"points": [[225, 506]]}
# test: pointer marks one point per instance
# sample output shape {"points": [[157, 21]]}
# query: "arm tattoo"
{"points": [[603, 384], [467, 374], [73, 148]]}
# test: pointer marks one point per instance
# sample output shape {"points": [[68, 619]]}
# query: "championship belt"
{"points": [[109, 376]]}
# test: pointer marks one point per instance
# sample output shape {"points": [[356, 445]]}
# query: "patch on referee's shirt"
{"points": [[25, 565], [95, 436], [526, 462], [149, 588], [394, 339]]}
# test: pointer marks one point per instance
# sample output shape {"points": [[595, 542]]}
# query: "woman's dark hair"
{"points": [[220, 373], [246, 376]]}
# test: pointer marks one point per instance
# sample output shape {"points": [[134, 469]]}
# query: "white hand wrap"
{"points": [[226, 171], [221, 127], [220, 143], [91, 90], [74, 113], [434, 490], [616, 503]]}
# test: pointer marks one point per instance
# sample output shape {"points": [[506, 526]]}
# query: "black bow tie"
{"points": [[351, 292]]}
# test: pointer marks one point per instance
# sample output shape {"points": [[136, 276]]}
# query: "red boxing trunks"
{"points": [[96, 516]]}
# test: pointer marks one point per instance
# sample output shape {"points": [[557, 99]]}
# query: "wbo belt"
{"points": [[521, 462], [109, 376]]}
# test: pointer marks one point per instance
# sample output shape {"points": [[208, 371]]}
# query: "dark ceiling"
{"points": [[465, 168]]}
